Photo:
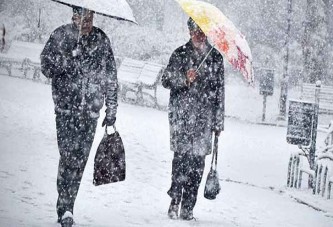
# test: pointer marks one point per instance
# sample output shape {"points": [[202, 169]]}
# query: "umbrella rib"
{"points": [[103, 14]]}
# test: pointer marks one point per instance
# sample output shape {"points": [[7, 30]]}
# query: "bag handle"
{"points": [[215, 151], [114, 127]]}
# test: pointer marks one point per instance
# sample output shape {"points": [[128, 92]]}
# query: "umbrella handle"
{"points": [[215, 151], [114, 128], [203, 61]]}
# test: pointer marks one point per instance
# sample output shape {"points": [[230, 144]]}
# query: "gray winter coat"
{"points": [[196, 110], [81, 82]]}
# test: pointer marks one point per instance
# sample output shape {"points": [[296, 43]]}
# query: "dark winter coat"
{"points": [[83, 72], [196, 110]]}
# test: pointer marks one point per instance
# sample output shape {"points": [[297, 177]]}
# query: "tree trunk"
{"points": [[314, 41], [329, 42]]}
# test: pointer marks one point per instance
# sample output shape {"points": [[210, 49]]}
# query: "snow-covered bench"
{"points": [[22, 56], [325, 96], [323, 179], [140, 78], [322, 174]]}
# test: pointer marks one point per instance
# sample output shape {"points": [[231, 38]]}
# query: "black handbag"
{"points": [[212, 186], [110, 165]]}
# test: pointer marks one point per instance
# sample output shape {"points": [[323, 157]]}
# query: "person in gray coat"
{"points": [[79, 61], [196, 111]]}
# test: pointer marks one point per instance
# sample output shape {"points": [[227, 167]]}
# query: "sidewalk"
{"points": [[252, 165]]}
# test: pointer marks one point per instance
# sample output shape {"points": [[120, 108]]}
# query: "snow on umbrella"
{"points": [[223, 35], [117, 9]]}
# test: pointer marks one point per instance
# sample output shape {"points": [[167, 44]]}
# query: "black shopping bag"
{"points": [[212, 186], [110, 165]]}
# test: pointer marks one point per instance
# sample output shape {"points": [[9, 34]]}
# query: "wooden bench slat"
{"points": [[312, 90], [326, 106], [321, 97]]}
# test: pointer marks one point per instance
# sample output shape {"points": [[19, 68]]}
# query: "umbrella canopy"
{"points": [[223, 35], [118, 9]]}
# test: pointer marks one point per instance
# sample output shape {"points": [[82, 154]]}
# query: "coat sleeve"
{"points": [[172, 77], [220, 98], [111, 87], [54, 60], [51, 59]]}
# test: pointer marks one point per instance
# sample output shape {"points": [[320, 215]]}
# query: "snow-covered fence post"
{"points": [[318, 178], [324, 181], [329, 188], [289, 170], [312, 150], [294, 170]]}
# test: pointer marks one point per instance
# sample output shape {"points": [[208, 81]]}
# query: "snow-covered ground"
{"points": [[252, 166]]}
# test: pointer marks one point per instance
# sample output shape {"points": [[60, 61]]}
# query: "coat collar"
{"points": [[189, 45]]}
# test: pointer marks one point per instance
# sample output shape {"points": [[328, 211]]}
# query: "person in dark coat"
{"points": [[79, 60], [196, 111]]}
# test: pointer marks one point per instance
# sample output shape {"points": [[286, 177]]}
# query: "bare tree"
{"points": [[329, 42], [2, 5], [314, 41]]}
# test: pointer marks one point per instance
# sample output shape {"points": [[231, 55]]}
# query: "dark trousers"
{"points": [[75, 135], [187, 171]]}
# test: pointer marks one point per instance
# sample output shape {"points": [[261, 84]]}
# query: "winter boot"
{"points": [[67, 220], [59, 220], [173, 209], [186, 214]]}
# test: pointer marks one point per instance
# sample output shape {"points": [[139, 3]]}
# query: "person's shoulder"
{"points": [[216, 54], [61, 30], [100, 33], [182, 49], [97, 30]]}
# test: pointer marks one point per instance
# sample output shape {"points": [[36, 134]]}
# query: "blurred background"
{"points": [[162, 28]]}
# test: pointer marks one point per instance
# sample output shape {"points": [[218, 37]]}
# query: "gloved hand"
{"points": [[191, 75], [77, 52], [109, 121], [217, 132]]}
